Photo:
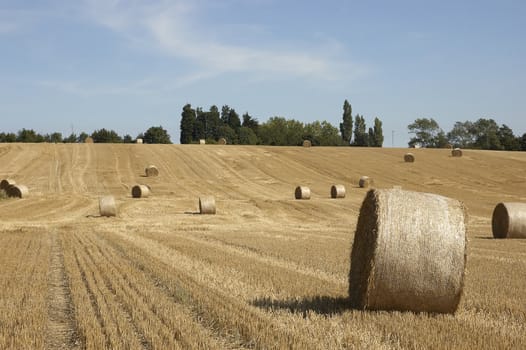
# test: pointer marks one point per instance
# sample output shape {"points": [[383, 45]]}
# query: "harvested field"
{"points": [[266, 271]]}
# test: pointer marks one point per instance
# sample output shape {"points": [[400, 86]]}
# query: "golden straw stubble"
{"points": [[408, 253]]}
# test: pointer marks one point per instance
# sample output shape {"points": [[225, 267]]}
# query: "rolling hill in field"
{"points": [[267, 271]]}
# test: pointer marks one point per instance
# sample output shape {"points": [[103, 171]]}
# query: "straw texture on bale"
{"points": [[202, 141], [17, 191], [307, 143], [222, 141], [302, 192], [409, 157], [88, 140], [457, 152], [337, 191], [5, 183], [151, 170], [365, 181], [207, 205], [139, 141], [409, 252], [509, 220], [107, 206], [140, 191]]}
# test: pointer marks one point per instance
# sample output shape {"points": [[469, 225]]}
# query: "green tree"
{"points": [[55, 137], [127, 139], [522, 142], [7, 137], [376, 135], [212, 123], [461, 135], [507, 140], [312, 132], [346, 124], [329, 135], [486, 132], [247, 136], [72, 138], [187, 124], [273, 131], [106, 136], [229, 134], [360, 132], [250, 122], [82, 137], [157, 134], [427, 133], [199, 124]]}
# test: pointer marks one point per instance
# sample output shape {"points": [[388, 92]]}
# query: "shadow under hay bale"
{"points": [[322, 305], [409, 158], [302, 192], [409, 253], [338, 191], [151, 171], [5, 183], [457, 152], [365, 182], [107, 206], [140, 191], [509, 220], [207, 205], [17, 191]]}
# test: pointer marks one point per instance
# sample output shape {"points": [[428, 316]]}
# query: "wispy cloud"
{"points": [[170, 27]]}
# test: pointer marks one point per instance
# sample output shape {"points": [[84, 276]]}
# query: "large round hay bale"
{"points": [[89, 140], [107, 206], [337, 191], [5, 183], [17, 191], [140, 191], [365, 181], [409, 158], [409, 252], [302, 192], [509, 220], [151, 170], [207, 205], [202, 141], [307, 143], [457, 152], [221, 141], [139, 141]]}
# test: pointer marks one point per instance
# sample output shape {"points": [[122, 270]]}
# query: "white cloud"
{"points": [[173, 27]]}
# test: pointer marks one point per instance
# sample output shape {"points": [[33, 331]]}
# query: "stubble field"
{"points": [[266, 272]]}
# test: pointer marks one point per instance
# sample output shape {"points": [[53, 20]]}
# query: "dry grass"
{"points": [[269, 272]]}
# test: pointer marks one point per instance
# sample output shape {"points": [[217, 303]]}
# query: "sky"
{"points": [[128, 65]]}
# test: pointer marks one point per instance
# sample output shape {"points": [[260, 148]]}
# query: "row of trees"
{"points": [[212, 125], [481, 134], [155, 134]]}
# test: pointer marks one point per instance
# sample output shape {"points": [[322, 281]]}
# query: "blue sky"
{"points": [[129, 65]]}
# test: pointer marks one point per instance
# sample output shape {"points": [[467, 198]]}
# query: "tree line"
{"points": [[213, 125], [155, 134], [484, 134]]}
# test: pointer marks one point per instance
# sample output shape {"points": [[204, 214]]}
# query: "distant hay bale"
{"points": [[509, 220], [449, 146], [221, 141], [207, 205], [107, 206], [457, 152], [139, 141], [151, 171], [88, 140], [5, 183], [365, 181], [338, 191], [140, 191], [302, 192], [202, 141], [307, 143], [409, 252], [409, 158], [17, 191]]}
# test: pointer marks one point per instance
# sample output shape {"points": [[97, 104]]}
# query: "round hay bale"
{"points": [[107, 206], [140, 191], [17, 191], [457, 152], [202, 141], [409, 158], [89, 140], [302, 192], [365, 181], [221, 141], [151, 170], [207, 205], [409, 252], [5, 183], [307, 143], [338, 191], [139, 141], [509, 220]]}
